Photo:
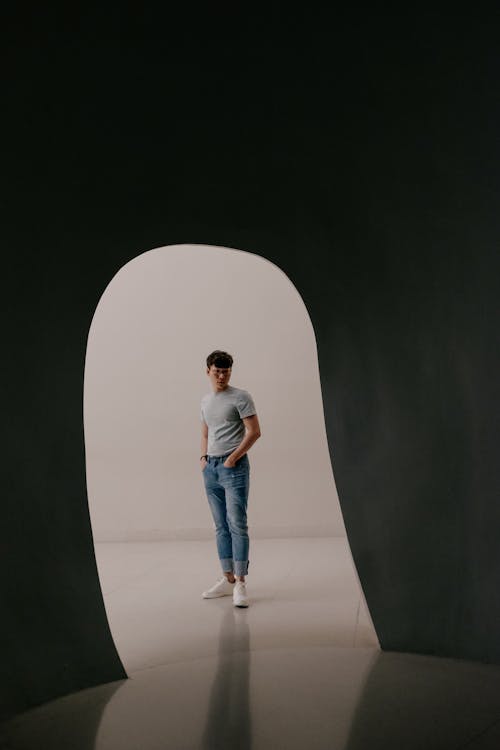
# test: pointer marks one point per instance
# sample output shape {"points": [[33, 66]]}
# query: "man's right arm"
{"points": [[204, 443]]}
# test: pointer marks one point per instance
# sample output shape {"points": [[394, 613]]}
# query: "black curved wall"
{"points": [[360, 156]]}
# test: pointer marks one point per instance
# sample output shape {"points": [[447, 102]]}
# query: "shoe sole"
{"points": [[215, 596]]}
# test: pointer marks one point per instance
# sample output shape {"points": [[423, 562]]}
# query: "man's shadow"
{"points": [[228, 719]]}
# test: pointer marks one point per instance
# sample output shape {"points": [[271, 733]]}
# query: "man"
{"points": [[229, 427]]}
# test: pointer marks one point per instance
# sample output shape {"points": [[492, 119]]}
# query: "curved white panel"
{"points": [[157, 321]]}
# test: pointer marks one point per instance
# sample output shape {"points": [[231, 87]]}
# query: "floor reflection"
{"points": [[228, 718], [321, 698]]}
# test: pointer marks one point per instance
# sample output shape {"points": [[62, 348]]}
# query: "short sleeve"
{"points": [[245, 405]]}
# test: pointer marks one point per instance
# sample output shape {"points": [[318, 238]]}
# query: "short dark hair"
{"points": [[219, 359]]}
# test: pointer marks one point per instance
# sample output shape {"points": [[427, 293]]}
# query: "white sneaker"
{"points": [[221, 588], [240, 598]]}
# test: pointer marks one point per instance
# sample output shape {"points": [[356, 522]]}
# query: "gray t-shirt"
{"points": [[223, 412]]}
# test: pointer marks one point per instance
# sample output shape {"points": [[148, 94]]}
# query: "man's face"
{"points": [[219, 377]]}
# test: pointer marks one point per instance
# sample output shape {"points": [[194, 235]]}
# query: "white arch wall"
{"points": [[144, 376]]}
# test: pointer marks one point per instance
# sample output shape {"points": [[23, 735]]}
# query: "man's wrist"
{"points": [[205, 456]]}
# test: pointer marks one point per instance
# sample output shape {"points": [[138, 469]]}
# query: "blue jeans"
{"points": [[227, 493]]}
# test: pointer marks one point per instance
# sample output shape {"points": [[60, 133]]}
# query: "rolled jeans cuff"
{"points": [[240, 567], [227, 565]]}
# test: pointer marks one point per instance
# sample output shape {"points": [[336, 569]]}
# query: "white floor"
{"points": [[303, 592]]}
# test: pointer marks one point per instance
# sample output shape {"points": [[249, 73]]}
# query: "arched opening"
{"points": [[144, 378]]}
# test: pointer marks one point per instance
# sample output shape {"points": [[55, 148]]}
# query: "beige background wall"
{"points": [[145, 374]]}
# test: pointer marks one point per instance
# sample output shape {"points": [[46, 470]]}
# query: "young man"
{"points": [[229, 427]]}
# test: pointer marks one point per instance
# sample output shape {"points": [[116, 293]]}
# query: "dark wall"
{"points": [[358, 154]]}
